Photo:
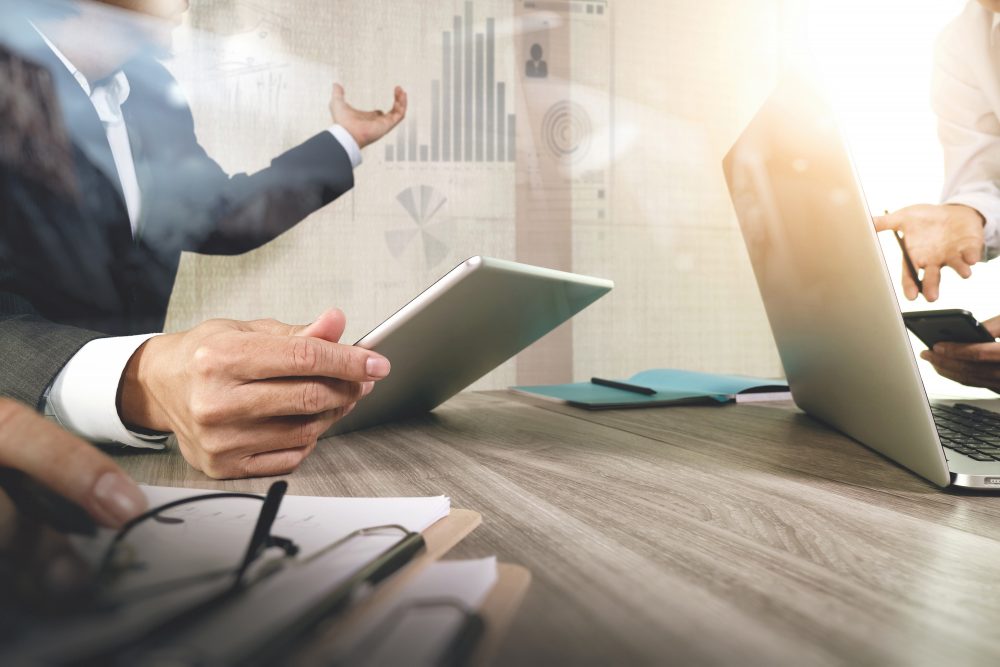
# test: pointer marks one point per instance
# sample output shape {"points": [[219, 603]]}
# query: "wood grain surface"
{"points": [[738, 534]]}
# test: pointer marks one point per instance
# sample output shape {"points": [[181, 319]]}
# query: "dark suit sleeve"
{"points": [[33, 351], [250, 210], [36, 179], [191, 203]]}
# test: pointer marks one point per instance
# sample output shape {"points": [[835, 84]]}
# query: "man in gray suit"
{"points": [[88, 255]]}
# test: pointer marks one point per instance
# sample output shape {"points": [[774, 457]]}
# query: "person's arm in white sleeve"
{"points": [[83, 398], [984, 198], [968, 126], [962, 230]]}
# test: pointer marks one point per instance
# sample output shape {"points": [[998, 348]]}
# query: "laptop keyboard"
{"points": [[969, 430]]}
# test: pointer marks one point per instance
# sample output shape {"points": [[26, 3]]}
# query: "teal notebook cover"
{"points": [[673, 387]]}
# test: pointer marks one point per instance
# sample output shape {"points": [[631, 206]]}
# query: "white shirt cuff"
{"points": [[988, 205], [349, 144], [84, 396]]}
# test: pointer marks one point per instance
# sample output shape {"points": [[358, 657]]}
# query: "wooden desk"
{"points": [[700, 535]]}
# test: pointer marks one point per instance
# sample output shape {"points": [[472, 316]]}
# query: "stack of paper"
{"points": [[212, 536], [162, 616], [417, 628]]}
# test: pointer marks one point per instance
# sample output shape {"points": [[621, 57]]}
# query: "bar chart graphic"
{"points": [[469, 117]]}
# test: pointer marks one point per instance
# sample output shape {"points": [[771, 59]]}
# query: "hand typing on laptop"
{"points": [[975, 364], [936, 236], [248, 399]]}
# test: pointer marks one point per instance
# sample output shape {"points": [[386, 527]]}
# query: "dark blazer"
{"points": [[70, 269]]}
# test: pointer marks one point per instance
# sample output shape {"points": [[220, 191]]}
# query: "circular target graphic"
{"points": [[567, 131]]}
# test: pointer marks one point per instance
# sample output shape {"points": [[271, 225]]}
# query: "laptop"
{"points": [[830, 301], [476, 317]]}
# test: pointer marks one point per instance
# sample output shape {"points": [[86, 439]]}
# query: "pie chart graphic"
{"points": [[422, 204]]}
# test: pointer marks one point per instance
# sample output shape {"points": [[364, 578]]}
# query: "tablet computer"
{"points": [[479, 315]]}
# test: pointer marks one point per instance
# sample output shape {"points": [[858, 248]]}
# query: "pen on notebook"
{"points": [[910, 267], [624, 386]]}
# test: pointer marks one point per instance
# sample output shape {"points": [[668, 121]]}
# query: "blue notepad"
{"points": [[672, 386]]}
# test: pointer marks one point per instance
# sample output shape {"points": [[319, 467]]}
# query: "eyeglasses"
{"points": [[122, 556], [178, 520], [132, 570]]}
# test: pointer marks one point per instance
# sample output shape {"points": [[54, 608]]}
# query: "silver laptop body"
{"points": [[827, 291]]}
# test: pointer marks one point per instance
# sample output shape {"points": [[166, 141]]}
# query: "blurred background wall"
{"points": [[602, 157]]}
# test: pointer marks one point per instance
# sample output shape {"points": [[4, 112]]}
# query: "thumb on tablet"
{"points": [[329, 326]]}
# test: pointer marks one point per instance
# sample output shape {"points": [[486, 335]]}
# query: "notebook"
{"points": [[672, 387]]}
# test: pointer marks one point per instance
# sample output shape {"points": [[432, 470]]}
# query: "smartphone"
{"points": [[946, 326]]}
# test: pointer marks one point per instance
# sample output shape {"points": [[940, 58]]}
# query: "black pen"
{"points": [[910, 267], [624, 386]]}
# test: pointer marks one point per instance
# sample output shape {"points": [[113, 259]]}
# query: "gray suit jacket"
{"points": [[70, 269], [35, 165]]}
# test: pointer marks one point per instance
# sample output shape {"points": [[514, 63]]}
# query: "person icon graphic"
{"points": [[536, 68]]}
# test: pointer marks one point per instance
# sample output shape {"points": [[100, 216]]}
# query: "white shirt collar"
{"points": [[107, 97]]}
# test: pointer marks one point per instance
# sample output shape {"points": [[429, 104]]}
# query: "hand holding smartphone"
{"points": [[946, 326]]}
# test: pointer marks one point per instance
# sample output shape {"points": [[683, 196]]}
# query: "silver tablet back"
{"points": [[475, 318]]}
